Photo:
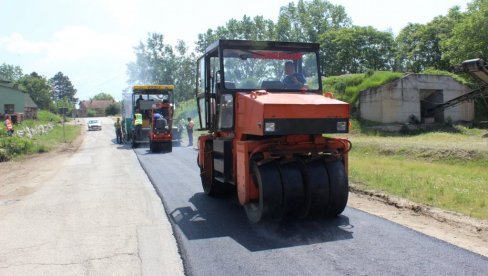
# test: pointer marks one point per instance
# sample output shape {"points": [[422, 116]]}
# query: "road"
{"points": [[90, 211], [215, 238]]}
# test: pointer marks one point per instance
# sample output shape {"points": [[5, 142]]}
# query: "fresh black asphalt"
{"points": [[215, 238]]}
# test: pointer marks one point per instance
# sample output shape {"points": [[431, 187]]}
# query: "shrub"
{"points": [[113, 109], [91, 113], [46, 116]]}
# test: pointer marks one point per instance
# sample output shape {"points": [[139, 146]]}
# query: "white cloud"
{"points": [[72, 43], [17, 44], [125, 12]]}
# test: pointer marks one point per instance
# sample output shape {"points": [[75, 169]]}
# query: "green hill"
{"points": [[347, 87]]}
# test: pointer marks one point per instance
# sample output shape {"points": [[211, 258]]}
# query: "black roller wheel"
{"points": [[318, 190], [210, 185], [167, 146], [339, 187], [269, 207], [293, 188]]}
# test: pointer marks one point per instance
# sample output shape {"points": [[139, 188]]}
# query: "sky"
{"points": [[92, 41]]}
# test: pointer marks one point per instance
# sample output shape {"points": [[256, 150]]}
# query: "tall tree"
{"points": [[102, 96], [307, 20], [356, 50], [160, 63], [38, 89], [419, 45], [256, 28], [62, 88], [10, 72], [469, 37]]}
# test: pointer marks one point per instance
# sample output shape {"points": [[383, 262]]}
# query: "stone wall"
{"points": [[38, 130]]}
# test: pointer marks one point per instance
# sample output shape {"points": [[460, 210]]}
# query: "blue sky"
{"points": [[91, 41]]}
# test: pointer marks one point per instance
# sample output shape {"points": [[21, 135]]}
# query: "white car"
{"points": [[94, 124]]}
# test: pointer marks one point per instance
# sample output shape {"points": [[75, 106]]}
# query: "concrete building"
{"points": [[15, 102], [414, 94], [98, 106]]}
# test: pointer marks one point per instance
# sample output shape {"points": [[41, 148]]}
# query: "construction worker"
{"points": [[137, 124], [9, 126], [189, 129], [118, 131]]}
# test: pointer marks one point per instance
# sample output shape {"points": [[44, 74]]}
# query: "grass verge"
{"points": [[445, 170], [13, 147]]}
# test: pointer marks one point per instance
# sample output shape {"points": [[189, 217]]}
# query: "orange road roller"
{"points": [[268, 120]]}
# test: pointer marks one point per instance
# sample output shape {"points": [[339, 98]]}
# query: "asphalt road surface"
{"points": [[215, 237]]}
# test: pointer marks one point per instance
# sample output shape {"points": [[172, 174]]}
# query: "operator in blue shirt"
{"points": [[293, 80]]}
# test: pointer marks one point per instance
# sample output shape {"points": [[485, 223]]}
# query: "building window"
{"points": [[9, 109]]}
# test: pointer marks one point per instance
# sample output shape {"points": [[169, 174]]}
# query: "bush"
{"points": [[46, 116], [113, 109], [16, 145], [91, 113]]}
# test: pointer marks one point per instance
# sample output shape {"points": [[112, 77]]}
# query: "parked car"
{"points": [[94, 124]]}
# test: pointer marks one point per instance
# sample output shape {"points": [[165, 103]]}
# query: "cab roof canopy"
{"points": [[263, 45], [152, 89]]}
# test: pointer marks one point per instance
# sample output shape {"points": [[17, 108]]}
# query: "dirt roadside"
{"points": [[36, 168], [462, 231]]}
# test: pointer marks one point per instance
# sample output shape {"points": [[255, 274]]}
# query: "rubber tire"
{"points": [[212, 187], [269, 207], [293, 188], [339, 187], [317, 191]]}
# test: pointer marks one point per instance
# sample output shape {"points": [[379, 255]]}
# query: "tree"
{"points": [[307, 20], [356, 50], [10, 72], [256, 28], [63, 89], [469, 36], [419, 45], [159, 63], [38, 88], [102, 96], [112, 109]]}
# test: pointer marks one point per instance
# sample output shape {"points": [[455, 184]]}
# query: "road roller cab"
{"points": [[266, 117]]}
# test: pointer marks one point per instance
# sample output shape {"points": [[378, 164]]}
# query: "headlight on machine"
{"points": [[269, 127], [341, 126]]}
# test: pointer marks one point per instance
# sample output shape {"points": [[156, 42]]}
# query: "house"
{"points": [[98, 106], [411, 96], [15, 102]]}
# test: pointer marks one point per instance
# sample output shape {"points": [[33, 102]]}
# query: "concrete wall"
{"points": [[396, 101]]}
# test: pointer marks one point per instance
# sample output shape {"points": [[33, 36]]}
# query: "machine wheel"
{"points": [[167, 146], [211, 186], [339, 187], [293, 188], [270, 205], [316, 184]]}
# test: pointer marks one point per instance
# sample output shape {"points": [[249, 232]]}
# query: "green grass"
{"points": [[445, 170], [347, 87], [14, 147]]}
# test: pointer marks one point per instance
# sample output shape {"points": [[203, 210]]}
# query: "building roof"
{"points": [[95, 104], [28, 102]]}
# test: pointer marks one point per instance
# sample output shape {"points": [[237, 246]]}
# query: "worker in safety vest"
{"points": [[9, 126], [189, 130], [138, 123], [118, 131]]}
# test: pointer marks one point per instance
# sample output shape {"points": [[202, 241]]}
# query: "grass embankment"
{"points": [[445, 170], [347, 87], [12, 147]]}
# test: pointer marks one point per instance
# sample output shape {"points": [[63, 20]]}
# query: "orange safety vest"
{"points": [[8, 123]]}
